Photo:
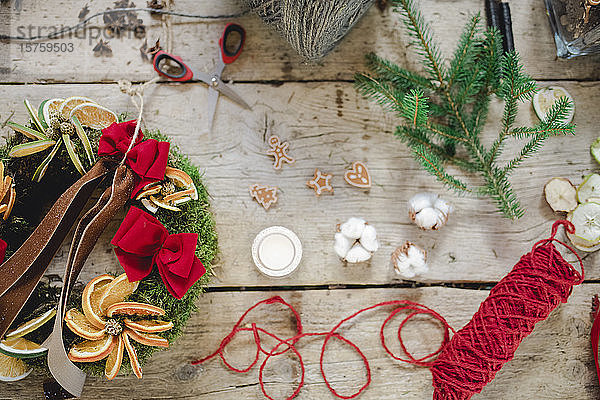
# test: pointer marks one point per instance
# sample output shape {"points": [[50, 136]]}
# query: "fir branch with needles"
{"points": [[446, 108]]}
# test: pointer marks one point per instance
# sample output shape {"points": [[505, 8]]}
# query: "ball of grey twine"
{"points": [[312, 27]]}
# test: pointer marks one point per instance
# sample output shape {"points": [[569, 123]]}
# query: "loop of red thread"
{"points": [[289, 344], [536, 285], [467, 362]]}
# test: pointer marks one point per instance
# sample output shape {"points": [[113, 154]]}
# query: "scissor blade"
{"points": [[213, 96], [203, 76], [232, 94]]}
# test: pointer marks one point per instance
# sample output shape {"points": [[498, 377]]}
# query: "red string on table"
{"points": [[468, 361], [283, 345]]}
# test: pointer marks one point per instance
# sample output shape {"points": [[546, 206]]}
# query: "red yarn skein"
{"points": [[536, 285]]}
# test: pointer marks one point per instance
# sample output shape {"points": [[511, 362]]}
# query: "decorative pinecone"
{"points": [[55, 123], [53, 134], [66, 128], [62, 118], [167, 188]]}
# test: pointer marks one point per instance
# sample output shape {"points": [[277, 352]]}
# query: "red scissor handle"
{"points": [[228, 55], [185, 73]]}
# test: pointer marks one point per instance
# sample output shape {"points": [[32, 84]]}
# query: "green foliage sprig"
{"points": [[446, 109]]}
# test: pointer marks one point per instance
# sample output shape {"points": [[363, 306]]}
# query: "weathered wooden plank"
{"points": [[266, 56], [555, 362], [329, 126]]}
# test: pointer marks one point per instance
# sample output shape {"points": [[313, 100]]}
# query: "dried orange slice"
{"points": [[51, 105], [133, 360], [94, 116], [92, 350], [147, 338], [12, 369], [20, 347], [114, 360], [32, 325], [70, 103], [148, 326], [79, 324], [133, 308], [116, 291], [90, 299]]}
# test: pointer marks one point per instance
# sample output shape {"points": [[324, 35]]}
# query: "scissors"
{"points": [[184, 73]]}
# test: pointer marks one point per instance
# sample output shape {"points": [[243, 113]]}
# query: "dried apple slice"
{"points": [[586, 219], [560, 194], [545, 98], [589, 188]]}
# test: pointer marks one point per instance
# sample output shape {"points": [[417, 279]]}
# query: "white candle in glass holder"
{"points": [[276, 251]]}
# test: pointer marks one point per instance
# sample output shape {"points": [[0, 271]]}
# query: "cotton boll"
{"points": [[429, 218], [357, 254], [342, 245], [428, 211], [355, 241], [410, 260], [443, 206], [353, 228], [368, 239], [420, 201]]}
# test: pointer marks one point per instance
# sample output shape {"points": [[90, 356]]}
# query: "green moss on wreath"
{"points": [[33, 201]]}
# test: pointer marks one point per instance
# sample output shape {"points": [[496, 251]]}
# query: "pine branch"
{"points": [[449, 115], [381, 91], [466, 53], [414, 137], [501, 192], [434, 166], [552, 125], [402, 78], [490, 60], [516, 87], [420, 31], [415, 108]]}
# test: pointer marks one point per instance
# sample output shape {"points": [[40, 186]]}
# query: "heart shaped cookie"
{"points": [[358, 176]]}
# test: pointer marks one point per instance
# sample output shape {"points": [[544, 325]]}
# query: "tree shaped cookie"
{"points": [[279, 151], [266, 196]]}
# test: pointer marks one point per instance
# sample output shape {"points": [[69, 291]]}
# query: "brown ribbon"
{"points": [[23, 270], [89, 229]]}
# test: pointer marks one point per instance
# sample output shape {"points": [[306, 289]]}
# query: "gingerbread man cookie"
{"points": [[279, 151], [320, 182], [358, 176], [266, 196]]}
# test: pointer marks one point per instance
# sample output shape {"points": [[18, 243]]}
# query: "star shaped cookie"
{"points": [[320, 182]]}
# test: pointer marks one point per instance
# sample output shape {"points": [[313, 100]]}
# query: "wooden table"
{"points": [[328, 125]]}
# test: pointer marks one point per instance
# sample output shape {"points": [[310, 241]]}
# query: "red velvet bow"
{"points": [[3, 247], [142, 241], [148, 158]]}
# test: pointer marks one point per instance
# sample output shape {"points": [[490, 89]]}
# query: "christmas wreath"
{"points": [[165, 243]]}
